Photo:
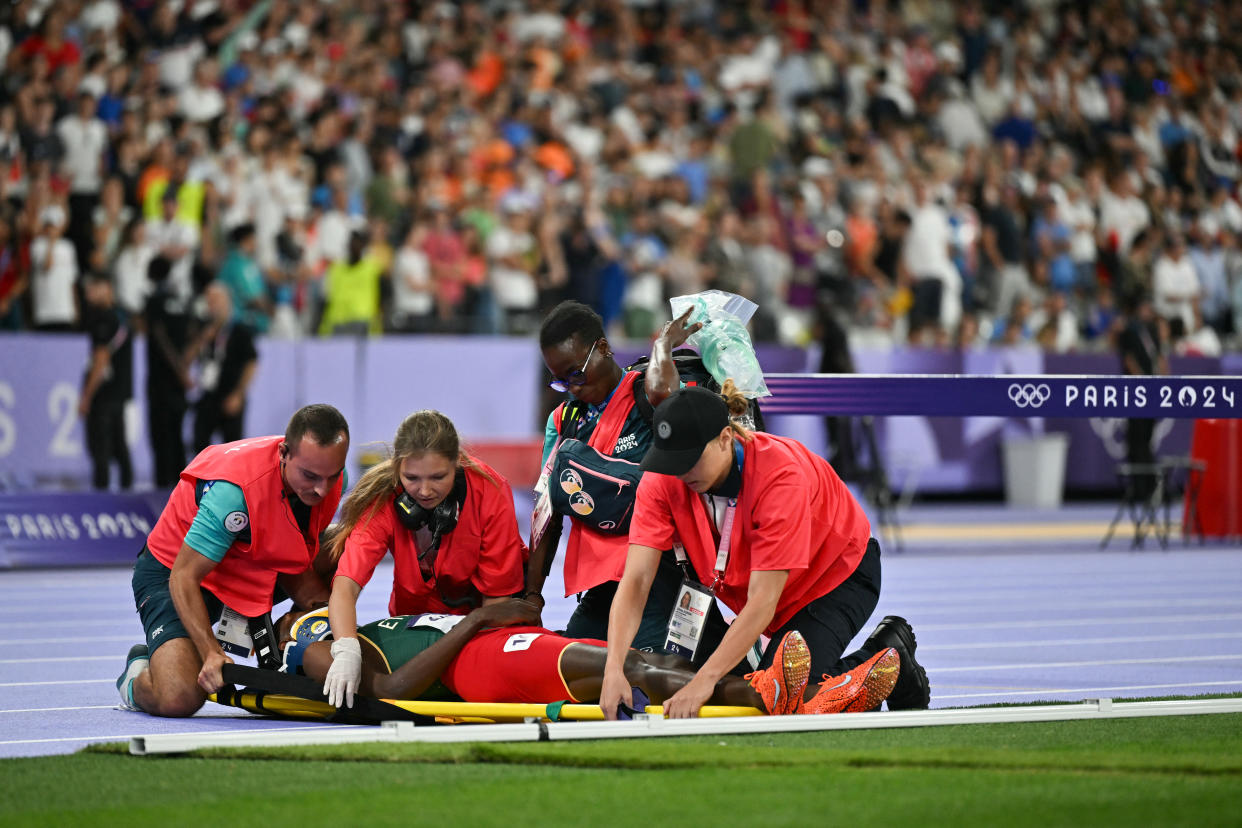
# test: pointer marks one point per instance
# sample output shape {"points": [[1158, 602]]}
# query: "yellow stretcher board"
{"points": [[279, 704]]}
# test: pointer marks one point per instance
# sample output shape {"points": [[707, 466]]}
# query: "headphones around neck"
{"points": [[441, 520]]}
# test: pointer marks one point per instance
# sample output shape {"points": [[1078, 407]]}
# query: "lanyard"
{"points": [[722, 551], [726, 538]]}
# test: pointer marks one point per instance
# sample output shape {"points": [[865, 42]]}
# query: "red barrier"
{"points": [[517, 461], [1218, 443]]}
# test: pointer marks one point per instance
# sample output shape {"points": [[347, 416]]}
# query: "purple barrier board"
{"points": [[945, 454], [1014, 395], [491, 388], [79, 529]]}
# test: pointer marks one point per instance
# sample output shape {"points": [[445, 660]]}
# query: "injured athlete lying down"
{"points": [[495, 655]]}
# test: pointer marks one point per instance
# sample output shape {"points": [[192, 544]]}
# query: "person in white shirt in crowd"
{"points": [[957, 118], [927, 254], [1201, 340], [1055, 312], [1078, 214], [1122, 213], [108, 225], [991, 89], [333, 229], [512, 254], [1233, 268], [413, 292], [1223, 208], [129, 269], [1208, 258], [1175, 285], [85, 139], [200, 100], [53, 273], [176, 240]]}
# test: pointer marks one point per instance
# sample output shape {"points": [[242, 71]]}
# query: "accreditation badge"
{"points": [[233, 633], [685, 625], [540, 518]]}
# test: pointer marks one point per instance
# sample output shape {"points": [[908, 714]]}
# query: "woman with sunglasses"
{"points": [[609, 409], [448, 520]]}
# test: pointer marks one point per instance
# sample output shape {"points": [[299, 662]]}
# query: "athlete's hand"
{"points": [[676, 333], [509, 613], [685, 703], [210, 677], [346, 671], [614, 692]]}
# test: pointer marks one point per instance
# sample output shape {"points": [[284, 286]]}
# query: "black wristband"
{"points": [[527, 596]]}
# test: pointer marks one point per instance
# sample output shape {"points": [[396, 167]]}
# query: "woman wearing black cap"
{"points": [[796, 553]]}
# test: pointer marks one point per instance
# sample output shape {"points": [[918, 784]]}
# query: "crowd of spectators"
{"points": [[931, 173]]}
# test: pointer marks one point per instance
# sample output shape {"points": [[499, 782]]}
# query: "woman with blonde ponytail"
{"points": [[769, 530], [448, 520]]}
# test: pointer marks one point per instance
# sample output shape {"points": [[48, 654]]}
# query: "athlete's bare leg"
{"points": [[656, 674]]}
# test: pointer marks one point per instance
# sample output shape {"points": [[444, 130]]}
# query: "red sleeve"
{"points": [[366, 546], [652, 523], [31, 46], [503, 552], [780, 534]]}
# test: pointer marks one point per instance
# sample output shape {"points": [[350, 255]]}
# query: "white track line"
{"points": [[58, 660], [980, 668], [1078, 622], [1076, 642], [14, 608], [45, 683], [118, 738], [1002, 694], [92, 620], [953, 604], [51, 709], [13, 642]]}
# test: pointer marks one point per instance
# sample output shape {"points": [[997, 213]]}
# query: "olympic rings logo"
{"points": [[1029, 395]]}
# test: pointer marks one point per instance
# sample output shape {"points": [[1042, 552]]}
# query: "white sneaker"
{"points": [[137, 661]]}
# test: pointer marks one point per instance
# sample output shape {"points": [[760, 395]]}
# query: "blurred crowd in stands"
{"points": [[928, 173]]}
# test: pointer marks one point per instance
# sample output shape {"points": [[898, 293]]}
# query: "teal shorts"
{"points": [[155, 605]]}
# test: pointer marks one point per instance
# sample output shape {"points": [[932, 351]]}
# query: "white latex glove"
{"points": [[345, 672]]}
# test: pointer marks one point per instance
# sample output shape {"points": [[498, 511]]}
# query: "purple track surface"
{"points": [[1008, 605]]}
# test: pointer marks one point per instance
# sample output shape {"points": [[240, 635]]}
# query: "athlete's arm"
{"points": [[541, 558], [641, 564], [762, 596], [184, 584], [411, 679], [662, 378]]}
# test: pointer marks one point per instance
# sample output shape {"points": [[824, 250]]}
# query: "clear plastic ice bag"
{"points": [[723, 342]]}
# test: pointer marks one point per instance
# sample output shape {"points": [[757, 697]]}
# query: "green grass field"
{"points": [[1152, 771]]}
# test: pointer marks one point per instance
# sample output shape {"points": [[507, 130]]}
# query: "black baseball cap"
{"points": [[682, 427]]}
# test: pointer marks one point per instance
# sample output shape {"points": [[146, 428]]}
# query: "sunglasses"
{"points": [[576, 378]]}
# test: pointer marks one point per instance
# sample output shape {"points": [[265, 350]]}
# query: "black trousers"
{"points": [[81, 228], [830, 622], [209, 417], [105, 439], [165, 418], [1138, 450]]}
